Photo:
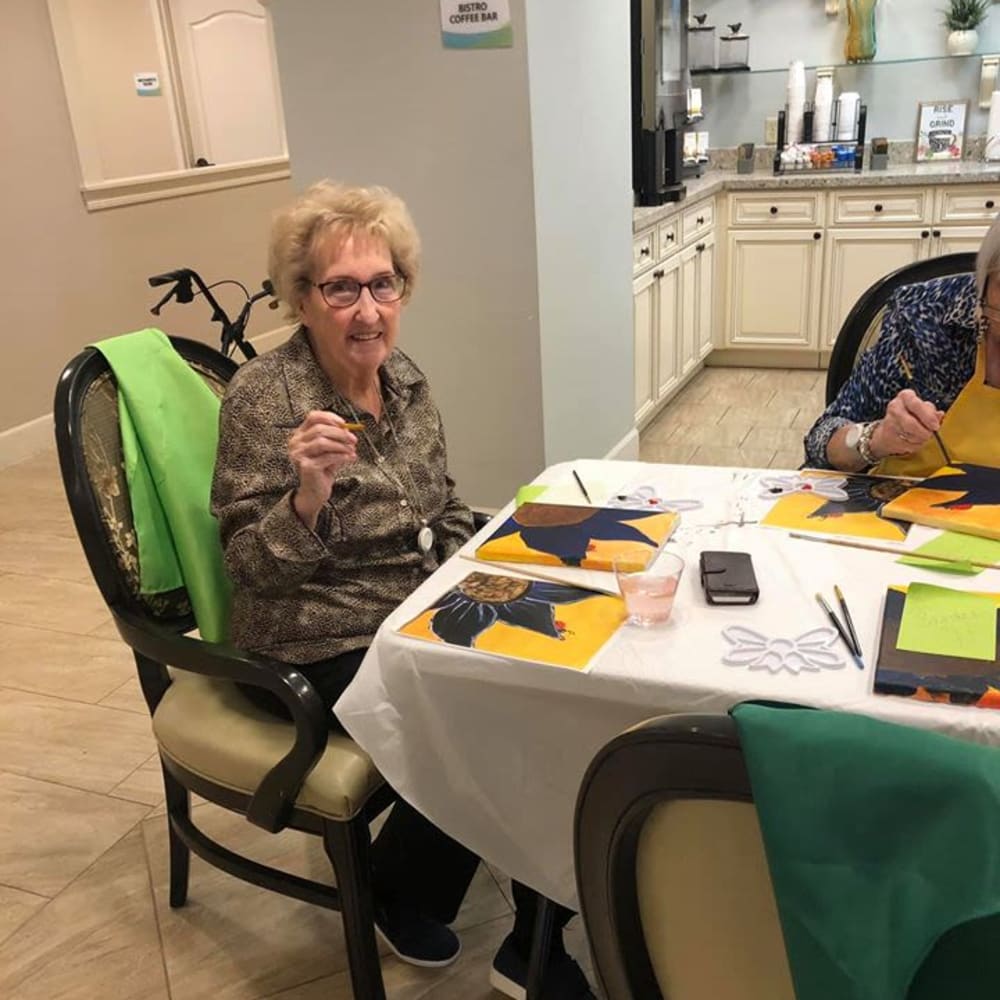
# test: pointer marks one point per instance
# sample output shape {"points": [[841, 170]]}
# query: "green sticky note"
{"points": [[954, 545], [948, 622], [527, 494]]}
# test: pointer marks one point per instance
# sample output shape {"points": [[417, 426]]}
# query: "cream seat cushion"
{"points": [[210, 729]]}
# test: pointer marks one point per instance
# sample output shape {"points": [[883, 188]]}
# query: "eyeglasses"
{"points": [[990, 314], [342, 292]]}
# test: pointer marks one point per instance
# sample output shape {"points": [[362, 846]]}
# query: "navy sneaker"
{"points": [[564, 979], [416, 938]]}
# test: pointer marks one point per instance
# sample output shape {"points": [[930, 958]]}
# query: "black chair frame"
{"points": [[674, 757], [866, 310], [157, 642]]}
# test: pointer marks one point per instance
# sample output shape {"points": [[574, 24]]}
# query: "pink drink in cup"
{"points": [[649, 593]]}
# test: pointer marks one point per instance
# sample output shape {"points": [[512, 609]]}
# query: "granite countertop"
{"points": [[713, 181]]}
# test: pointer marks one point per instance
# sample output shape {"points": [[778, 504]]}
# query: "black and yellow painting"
{"points": [[954, 680], [589, 537], [964, 498], [851, 510], [534, 620]]}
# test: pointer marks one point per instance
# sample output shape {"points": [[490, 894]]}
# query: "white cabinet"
{"points": [[958, 239], [773, 288], [668, 300], [644, 317], [673, 297], [855, 260]]}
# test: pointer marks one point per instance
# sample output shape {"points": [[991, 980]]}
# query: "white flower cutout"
{"points": [[809, 652], [827, 487], [647, 498]]}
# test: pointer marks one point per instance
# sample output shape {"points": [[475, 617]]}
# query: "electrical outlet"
{"points": [[771, 130]]}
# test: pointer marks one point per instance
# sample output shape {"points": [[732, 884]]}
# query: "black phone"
{"points": [[728, 578]]}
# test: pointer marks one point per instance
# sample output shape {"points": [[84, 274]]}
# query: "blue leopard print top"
{"points": [[933, 325]]}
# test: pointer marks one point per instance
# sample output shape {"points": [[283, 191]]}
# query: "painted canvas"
{"points": [[832, 503], [958, 680], [526, 619], [589, 537], [961, 497]]}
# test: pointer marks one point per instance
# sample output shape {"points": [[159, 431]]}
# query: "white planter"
{"points": [[962, 43]]}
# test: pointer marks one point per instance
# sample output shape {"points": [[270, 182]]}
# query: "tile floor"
{"points": [[83, 874]]}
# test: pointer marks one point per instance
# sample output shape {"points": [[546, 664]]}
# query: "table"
{"points": [[493, 749]]}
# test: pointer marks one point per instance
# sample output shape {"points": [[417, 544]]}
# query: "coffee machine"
{"points": [[660, 85]]}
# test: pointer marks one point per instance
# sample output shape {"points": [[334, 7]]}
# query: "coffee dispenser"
{"points": [[660, 85]]}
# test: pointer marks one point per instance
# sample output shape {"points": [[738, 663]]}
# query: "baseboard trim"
{"points": [[25, 440], [627, 450]]}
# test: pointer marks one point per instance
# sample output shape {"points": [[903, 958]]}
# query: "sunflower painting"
{"points": [[964, 498], [588, 537], [550, 623], [852, 509]]}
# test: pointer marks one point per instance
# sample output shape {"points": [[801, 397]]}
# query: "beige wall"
{"points": [[69, 276], [111, 41]]}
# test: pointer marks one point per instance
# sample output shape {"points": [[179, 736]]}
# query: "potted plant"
{"points": [[962, 17]]}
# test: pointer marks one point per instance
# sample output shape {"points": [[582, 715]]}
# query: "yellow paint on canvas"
{"points": [[511, 548], [589, 624], [793, 512], [917, 505]]}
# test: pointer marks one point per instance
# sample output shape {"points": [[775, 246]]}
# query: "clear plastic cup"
{"points": [[649, 592]]}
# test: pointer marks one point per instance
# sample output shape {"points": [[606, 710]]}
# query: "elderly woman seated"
{"points": [[334, 502], [933, 376]]}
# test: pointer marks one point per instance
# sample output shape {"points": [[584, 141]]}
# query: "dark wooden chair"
{"points": [[671, 874], [863, 324], [211, 740]]}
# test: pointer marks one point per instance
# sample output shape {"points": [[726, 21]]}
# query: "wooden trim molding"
{"points": [[179, 183]]}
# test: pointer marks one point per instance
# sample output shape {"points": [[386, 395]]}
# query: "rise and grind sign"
{"points": [[476, 24]]}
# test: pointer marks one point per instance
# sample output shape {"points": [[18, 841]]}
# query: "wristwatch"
{"points": [[859, 438]]}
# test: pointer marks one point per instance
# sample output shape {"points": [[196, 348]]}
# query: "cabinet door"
{"points": [[705, 321], [643, 322], [958, 239], [668, 305], [773, 288], [856, 259], [690, 260]]}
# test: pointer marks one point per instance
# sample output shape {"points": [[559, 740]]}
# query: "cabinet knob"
{"points": [[644, 252], [700, 248], [817, 236], [774, 210], [990, 203], [658, 273], [701, 220], [925, 234], [878, 208], [935, 232], [670, 237]]}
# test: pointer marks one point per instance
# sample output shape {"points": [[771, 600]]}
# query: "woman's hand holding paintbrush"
{"points": [[909, 422]]}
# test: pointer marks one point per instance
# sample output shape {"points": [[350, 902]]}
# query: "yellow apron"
{"points": [[970, 431]]}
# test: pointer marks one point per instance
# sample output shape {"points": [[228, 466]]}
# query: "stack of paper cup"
{"points": [[823, 105], [993, 128], [847, 116], [796, 100]]}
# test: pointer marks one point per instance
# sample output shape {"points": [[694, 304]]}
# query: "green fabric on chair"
{"points": [[170, 427], [881, 839]]}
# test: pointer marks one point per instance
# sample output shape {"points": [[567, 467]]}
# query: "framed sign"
{"points": [[940, 130]]}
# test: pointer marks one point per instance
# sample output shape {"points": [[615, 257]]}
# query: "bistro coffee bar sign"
{"points": [[476, 24]]}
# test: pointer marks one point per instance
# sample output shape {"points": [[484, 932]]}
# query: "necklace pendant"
{"points": [[425, 539]]}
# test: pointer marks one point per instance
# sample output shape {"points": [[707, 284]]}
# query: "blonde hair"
{"points": [[988, 258], [328, 208]]}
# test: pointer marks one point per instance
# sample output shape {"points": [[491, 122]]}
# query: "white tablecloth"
{"points": [[493, 750]]}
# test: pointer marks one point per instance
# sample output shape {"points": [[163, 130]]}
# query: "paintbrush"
{"points": [[896, 552], [841, 631], [547, 577], [908, 372]]}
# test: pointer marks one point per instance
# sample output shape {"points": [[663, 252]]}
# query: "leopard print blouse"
{"points": [[299, 595], [933, 325]]}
